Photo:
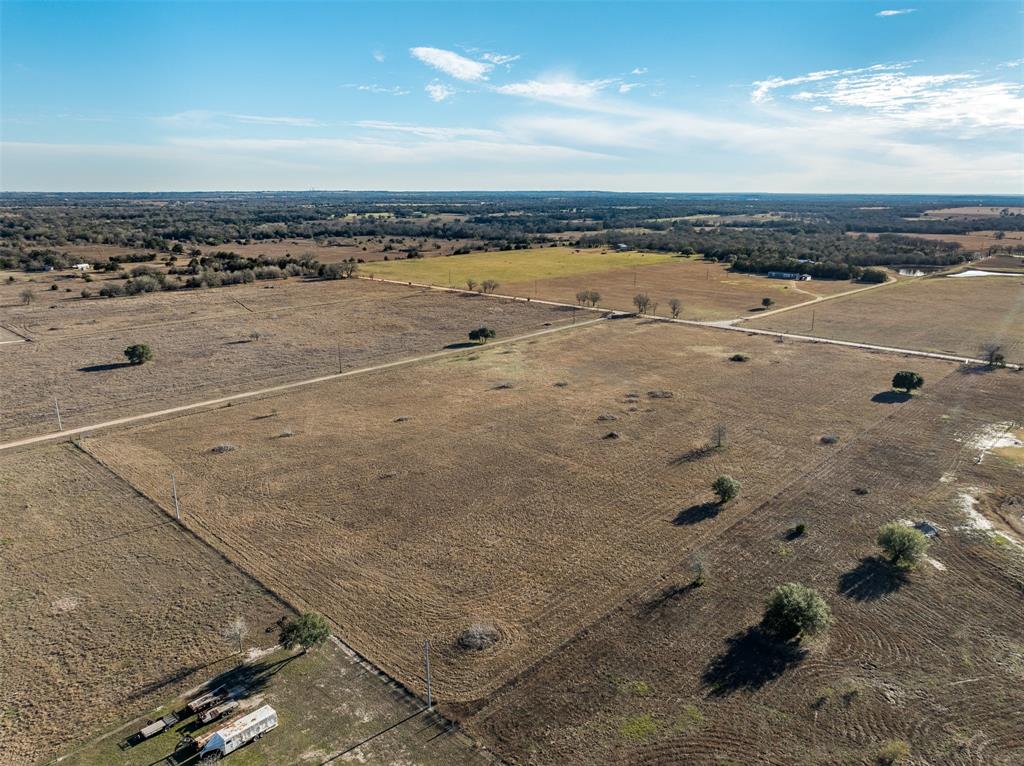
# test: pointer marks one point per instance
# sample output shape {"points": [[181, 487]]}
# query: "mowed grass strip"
{"points": [[509, 266]]}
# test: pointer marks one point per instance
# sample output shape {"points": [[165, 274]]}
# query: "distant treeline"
{"points": [[153, 222], [834, 254]]}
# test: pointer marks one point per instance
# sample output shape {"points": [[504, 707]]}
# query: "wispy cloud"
{"points": [[201, 116], [937, 101], [499, 59], [452, 64], [763, 88], [562, 89], [392, 90], [639, 70], [439, 91], [896, 12], [378, 56]]}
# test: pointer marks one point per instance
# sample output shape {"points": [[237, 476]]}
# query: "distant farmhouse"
{"points": [[83, 266], [789, 275]]}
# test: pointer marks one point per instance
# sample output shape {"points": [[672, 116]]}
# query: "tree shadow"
{"points": [[666, 597], [696, 514], [750, 660], [105, 367], [757, 309], [977, 369], [463, 344], [693, 455], [891, 397], [871, 579]]}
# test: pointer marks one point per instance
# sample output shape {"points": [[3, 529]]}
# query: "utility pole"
{"points": [[174, 493], [60, 425], [574, 315], [339, 358], [426, 666], [634, 277], [812, 320]]}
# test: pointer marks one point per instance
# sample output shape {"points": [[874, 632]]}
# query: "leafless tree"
{"points": [[27, 296], [489, 286], [992, 353], [594, 297], [675, 305], [582, 297], [236, 631], [718, 436]]}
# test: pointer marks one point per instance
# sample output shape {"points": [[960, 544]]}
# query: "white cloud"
{"points": [[378, 56], [939, 101], [558, 90], [626, 87], [439, 91], [394, 90], [763, 88], [1012, 64], [452, 64], [499, 59], [639, 70], [294, 122], [896, 12], [203, 117], [430, 131]]}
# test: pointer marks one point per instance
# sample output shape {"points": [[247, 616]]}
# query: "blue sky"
{"points": [[629, 96]]}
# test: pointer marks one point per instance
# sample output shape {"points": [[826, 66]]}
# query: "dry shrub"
{"points": [[222, 448], [478, 637]]}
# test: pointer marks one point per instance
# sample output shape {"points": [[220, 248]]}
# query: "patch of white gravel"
{"points": [[968, 504], [937, 564]]}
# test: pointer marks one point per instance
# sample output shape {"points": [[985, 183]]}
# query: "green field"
{"points": [[509, 266]]}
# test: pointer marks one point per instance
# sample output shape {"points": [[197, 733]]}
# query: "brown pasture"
{"points": [[204, 344], [934, 657], [410, 503], [708, 291], [939, 314], [972, 241], [108, 605], [329, 250]]}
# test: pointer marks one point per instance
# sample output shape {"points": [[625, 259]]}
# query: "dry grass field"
{"points": [[933, 658], [483, 488], [708, 291], [204, 345], [108, 606], [941, 314], [974, 241], [510, 266], [369, 249], [973, 211]]}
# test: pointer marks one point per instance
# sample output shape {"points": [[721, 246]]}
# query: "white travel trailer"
{"points": [[239, 732]]}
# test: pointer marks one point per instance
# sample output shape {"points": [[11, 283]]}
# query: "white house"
{"points": [[83, 266]]}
